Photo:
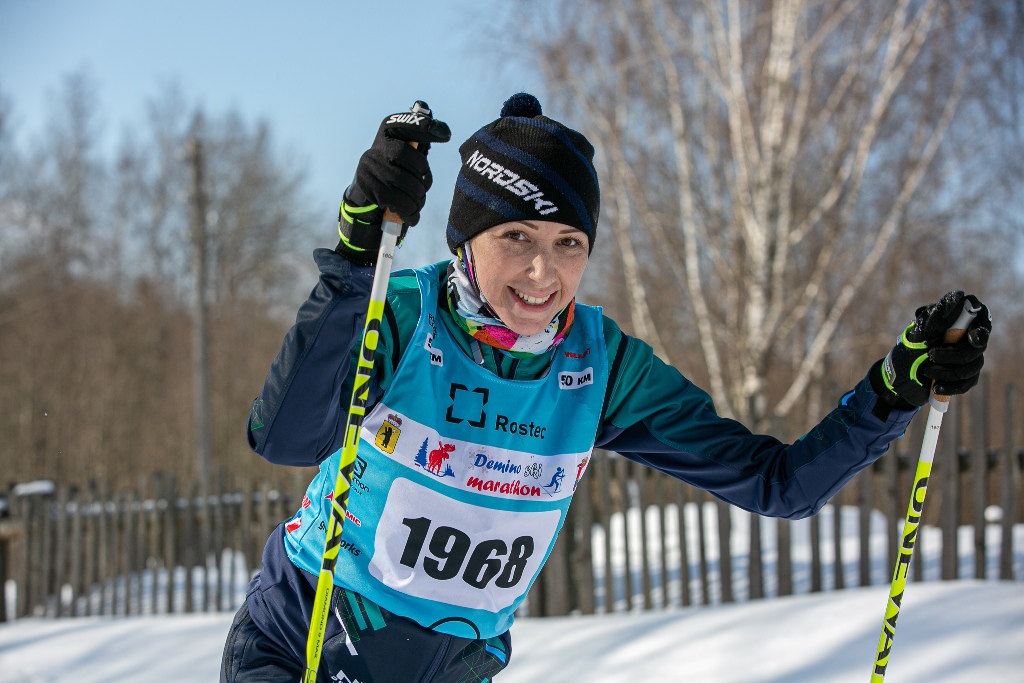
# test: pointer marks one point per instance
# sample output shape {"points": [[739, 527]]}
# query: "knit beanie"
{"points": [[524, 166]]}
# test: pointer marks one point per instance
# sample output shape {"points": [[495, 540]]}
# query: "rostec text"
{"points": [[515, 488], [511, 181], [502, 423]]}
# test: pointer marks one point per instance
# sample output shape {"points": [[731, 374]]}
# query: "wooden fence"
{"points": [[147, 550], [687, 541], [633, 539]]}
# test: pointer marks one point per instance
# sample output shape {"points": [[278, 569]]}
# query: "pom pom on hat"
{"points": [[522, 104], [524, 166]]}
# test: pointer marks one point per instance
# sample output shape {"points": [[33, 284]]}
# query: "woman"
{"points": [[491, 387]]}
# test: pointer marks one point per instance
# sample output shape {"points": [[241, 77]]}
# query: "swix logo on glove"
{"points": [[405, 118], [511, 181]]}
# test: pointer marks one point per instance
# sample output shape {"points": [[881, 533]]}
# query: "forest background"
{"points": [[783, 183]]}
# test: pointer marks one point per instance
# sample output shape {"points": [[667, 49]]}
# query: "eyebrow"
{"points": [[567, 230]]}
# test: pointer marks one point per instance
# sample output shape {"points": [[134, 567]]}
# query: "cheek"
{"points": [[573, 275], [490, 286]]}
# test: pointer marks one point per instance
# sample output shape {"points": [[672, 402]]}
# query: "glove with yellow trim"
{"points": [[903, 379], [391, 174]]}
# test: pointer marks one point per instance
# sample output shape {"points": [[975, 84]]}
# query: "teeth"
{"points": [[531, 300]]}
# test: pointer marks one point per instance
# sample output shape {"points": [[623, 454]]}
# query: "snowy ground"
{"points": [[962, 631]]}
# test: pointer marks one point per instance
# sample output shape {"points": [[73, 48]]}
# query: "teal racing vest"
{"points": [[463, 479]]}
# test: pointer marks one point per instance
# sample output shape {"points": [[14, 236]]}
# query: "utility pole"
{"points": [[198, 207]]}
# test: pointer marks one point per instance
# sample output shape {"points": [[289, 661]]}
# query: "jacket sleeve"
{"points": [[657, 417], [298, 417]]}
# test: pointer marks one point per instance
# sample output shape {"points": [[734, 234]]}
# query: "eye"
{"points": [[515, 235], [571, 242]]}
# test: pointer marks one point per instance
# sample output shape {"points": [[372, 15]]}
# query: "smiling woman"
{"points": [[490, 388]]}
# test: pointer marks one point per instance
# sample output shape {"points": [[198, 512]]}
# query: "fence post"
{"points": [[890, 492], [815, 554], [604, 464], [725, 550], [190, 554], [154, 554], [36, 584], [130, 551], [684, 553], [245, 523], [103, 572], [702, 547], [170, 538], [979, 471], [581, 570], [785, 564], [76, 579], [639, 486], [47, 553], [660, 481], [555, 578], [140, 547], [205, 518], [12, 542], [622, 476], [755, 565], [92, 551], [864, 504], [837, 542], [219, 542], [1010, 483], [263, 511]]}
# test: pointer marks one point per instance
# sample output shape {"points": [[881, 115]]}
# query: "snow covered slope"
{"points": [[948, 632]]}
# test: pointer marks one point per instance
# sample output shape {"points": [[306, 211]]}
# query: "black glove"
{"points": [[391, 174], [903, 379]]}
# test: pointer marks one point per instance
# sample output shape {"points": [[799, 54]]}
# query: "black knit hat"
{"points": [[524, 166]]}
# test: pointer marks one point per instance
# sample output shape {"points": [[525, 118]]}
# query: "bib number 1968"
{"points": [[449, 548], [433, 546]]}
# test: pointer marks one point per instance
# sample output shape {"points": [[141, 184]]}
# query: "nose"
{"points": [[542, 267]]}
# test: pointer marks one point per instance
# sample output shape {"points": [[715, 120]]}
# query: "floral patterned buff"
{"points": [[474, 315]]}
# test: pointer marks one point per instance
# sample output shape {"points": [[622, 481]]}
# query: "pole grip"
{"points": [[952, 336], [389, 215]]}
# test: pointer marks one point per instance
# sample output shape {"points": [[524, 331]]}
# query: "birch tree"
{"points": [[761, 160]]}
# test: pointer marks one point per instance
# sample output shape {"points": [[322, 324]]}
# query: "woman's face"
{"points": [[529, 270]]}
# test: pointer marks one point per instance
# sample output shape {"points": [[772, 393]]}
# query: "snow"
{"points": [[960, 631], [948, 632]]}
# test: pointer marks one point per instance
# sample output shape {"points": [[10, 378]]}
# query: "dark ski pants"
{"points": [[388, 649]]}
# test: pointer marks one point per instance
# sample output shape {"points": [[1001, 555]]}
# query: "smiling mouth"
{"points": [[533, 301]]}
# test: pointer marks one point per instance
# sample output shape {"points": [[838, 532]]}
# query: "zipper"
{"points": [[442, 652]]}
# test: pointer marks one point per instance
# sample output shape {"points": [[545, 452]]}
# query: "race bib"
{"points": [[433, 547]]}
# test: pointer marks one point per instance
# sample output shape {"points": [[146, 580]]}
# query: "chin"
{"points": [[524, 328]]}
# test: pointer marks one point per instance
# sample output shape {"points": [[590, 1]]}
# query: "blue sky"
{"points": [[322, 72]]}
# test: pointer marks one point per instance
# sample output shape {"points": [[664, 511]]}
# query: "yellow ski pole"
{"points": [[938, 405], [392, 228]]}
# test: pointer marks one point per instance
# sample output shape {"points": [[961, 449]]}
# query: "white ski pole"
{"points": [[938, 405], [392, 228]]}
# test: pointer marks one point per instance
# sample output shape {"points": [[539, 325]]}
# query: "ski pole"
{"points": [[392, 228], [938, 405]]}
